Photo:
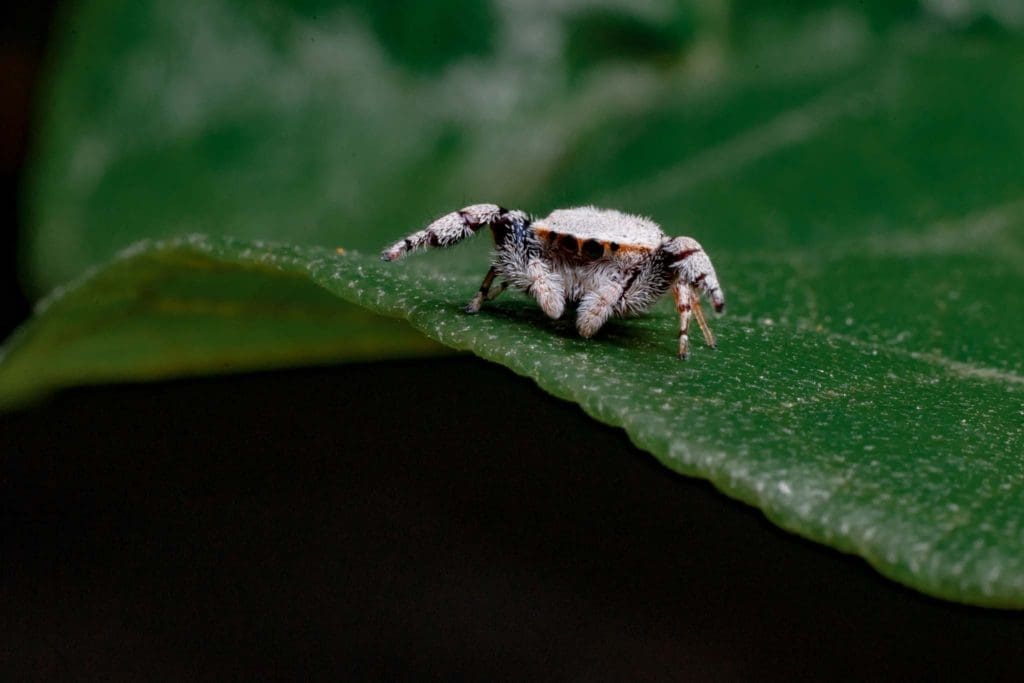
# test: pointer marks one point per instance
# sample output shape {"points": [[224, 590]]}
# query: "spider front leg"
{"points": [[687, 303], [596, 307], [698, 313], [454, 227], [683, 306], [486, 292], [693, 275], [545, 286]]}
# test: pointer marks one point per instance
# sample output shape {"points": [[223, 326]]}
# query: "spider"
{"points": [[605, 261]]}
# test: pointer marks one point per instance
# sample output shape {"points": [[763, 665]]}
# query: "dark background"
{"points": [[291, 523], [23, 38]]}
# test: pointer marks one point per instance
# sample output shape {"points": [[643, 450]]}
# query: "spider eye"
{"points": [[593, 249]]}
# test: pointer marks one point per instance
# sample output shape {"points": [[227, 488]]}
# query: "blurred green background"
{"points": [[752, 125]]}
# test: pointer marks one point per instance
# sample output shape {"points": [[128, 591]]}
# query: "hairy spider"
{"points": [[607, 262]]}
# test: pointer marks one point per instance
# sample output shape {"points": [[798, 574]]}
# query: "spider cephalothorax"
{"points": [[607, 262]]}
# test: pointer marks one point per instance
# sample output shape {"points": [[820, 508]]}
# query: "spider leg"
{"points": [[698, 313], [454, 227], [496, 290], [596, 307], [687, 261], [683, 298], [484, 292], [546, 287], [692, 275], [487, 291]]}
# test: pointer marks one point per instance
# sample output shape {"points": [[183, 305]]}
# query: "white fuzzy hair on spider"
{"points": [[606, 262]]}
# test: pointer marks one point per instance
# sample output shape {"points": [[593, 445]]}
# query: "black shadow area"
{"points": [[418, 520]]}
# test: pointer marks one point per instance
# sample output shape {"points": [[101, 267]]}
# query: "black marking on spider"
{"points": [[604, 262]]}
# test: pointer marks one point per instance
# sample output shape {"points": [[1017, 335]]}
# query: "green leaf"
{"points": [[159, 312], [855, 174], [908, 458]]}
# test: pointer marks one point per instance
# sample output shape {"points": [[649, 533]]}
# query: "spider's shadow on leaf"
{"points": [[619, 332]]}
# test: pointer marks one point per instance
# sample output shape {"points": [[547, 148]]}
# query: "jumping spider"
{"points": [[608, 262]]}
